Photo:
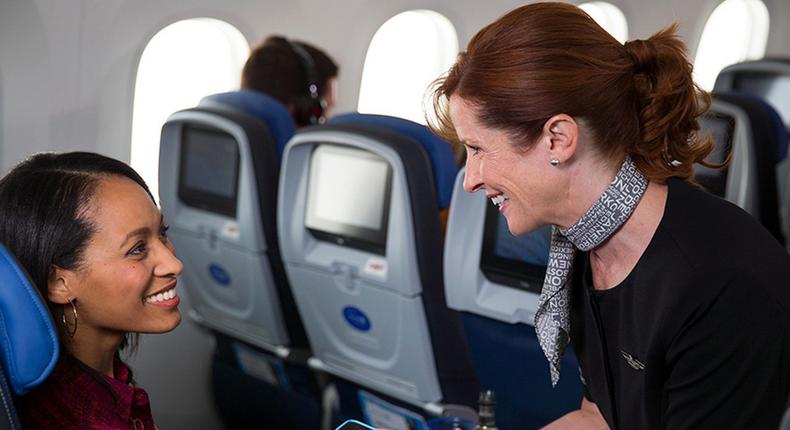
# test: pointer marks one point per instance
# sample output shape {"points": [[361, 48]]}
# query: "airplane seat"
{"points": [[768, 79], [28, 340], [494, 279], [260, 105], [751, 130], [218, 177], [359, 233]]}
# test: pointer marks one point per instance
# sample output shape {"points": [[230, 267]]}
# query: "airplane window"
{"points": [[608, 16], [406, 54], [736, 31], [182, 63]]}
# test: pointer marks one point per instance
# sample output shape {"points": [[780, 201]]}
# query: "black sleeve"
{"points": [[729, 366]]}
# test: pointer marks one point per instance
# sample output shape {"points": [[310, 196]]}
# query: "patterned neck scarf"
{"points": [[607, 215]]}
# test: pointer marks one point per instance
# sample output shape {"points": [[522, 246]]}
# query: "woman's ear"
{"points": [[58, 286], [562, 133]]}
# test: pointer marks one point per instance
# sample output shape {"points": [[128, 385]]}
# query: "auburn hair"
{"points": [[545, 59]]}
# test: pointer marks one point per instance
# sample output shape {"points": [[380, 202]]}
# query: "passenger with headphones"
{"points": [[297, 74]]}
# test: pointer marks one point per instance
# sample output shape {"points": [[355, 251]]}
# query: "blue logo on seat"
{"points": [[356, 318], [219, 274]]}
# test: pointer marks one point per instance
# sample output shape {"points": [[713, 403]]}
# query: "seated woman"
{"points": [[93, 241]]}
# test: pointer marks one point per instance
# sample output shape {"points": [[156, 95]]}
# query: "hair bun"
{"points": [[644, 56]]}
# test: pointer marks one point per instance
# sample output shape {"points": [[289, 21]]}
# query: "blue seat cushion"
{"points": [[439, 151], [28, 341], [261, 106]]}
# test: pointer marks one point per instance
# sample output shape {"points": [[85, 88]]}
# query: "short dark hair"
{"points": [[274, 68], [43, 204]]}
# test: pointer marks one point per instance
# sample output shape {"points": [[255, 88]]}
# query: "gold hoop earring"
{"points": [[70, 331]]}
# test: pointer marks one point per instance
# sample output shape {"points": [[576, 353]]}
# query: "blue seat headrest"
{"points": [[439, 151], [777, 128], [28, 342], [260, 105]]}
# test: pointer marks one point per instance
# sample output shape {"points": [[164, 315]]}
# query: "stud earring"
{"points": [[555, 162]]}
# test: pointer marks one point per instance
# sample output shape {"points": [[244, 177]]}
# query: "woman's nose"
{"points": [[472, 181], [169, 265]]}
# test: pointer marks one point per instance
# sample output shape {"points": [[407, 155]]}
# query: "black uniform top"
{"points": [[698, 335]]}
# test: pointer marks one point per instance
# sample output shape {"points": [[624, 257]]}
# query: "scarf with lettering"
{"points": [[607, 215]]}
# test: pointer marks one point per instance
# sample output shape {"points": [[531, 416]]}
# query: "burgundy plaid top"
{"points": [[77, 397]]}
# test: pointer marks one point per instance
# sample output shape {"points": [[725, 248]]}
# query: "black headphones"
{"points": [[308, 108]]}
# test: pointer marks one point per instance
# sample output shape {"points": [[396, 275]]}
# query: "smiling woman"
{"points": [[564, 125], [90, 235]]}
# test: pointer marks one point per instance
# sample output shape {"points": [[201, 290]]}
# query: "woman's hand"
{"points": [[588, 417]]}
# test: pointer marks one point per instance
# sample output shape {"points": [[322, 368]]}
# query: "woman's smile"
{"points": [[167, 298]]}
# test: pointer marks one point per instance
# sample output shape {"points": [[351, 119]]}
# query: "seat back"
{"points": [[360, 238], [769, 80], [262, 106], [744, 125], [218, 176], [237, 278], [28, 341], [495, 279]]}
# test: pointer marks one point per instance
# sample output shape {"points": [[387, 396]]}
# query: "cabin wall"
{"points": [[67, 76], [71, 84], [778, 31], [24, 68]]}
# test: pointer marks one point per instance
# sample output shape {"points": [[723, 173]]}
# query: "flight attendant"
{"points": [[676, 302]]}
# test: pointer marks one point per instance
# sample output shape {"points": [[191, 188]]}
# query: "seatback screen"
{"points": [[515, 261], [721, 128], [772, 87], [348, 197], [209, 170]]}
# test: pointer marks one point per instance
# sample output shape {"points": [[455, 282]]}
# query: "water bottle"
{"points": [[486, 404]]}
